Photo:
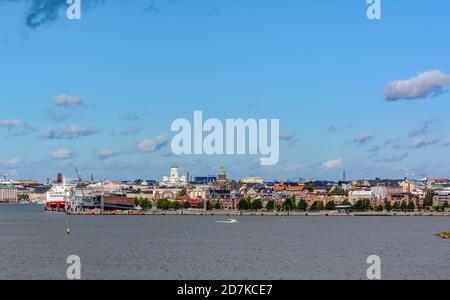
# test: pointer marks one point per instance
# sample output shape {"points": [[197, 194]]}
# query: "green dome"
{"points": [[222, 171]]}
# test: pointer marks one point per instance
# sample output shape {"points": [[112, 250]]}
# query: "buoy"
{"points": [[68, 231]]}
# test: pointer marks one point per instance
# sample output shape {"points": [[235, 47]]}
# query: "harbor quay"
{"points": [[182, 194], [235, 213]]}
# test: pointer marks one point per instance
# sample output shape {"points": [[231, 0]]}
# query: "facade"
{"points": [[174, 180], [441, 197], [355, 196], [253, 180], [8, 194]]}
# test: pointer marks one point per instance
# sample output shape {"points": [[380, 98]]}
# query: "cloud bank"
{"points": [[153, 145], [430, 83]]}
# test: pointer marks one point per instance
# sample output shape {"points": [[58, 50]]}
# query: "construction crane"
{"points": [[79, 181]]}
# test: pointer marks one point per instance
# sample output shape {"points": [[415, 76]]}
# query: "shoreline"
{"points": [[259, 214]]}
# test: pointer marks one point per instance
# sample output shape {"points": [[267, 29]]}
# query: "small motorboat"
{"points": [[228, 221]]}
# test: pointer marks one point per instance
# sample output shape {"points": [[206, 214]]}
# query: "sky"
{"points": [[366, 96]]}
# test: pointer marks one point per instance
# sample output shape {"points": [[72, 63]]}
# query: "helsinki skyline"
{"points": [[100, 93]]}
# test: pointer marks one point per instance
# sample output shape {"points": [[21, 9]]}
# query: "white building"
{"points": [[380, 192], [8, 194], [355, 196], [174, 180]]}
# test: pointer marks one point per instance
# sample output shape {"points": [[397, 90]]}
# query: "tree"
{"points": [[302, 205], [428, 200], [339, 192], [289, 203], [404, 205], [217, 205], [257, 204], [243, 205], [362, 205], [163, 204], [345, 203], [174, 205], [145, 204], [320, 206], [379, 208], [270, 205], [186, 205], [411, 206], [330, 205], [182, 193], [388, 206], [396, 206], [313, 206]]}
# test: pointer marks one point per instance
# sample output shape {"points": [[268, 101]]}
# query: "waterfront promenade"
{"points": [[235, 213]]}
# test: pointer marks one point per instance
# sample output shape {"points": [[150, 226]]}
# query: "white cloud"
{"points": [[447, 142], [67, 100], [423, 85], [15, 162], [153, 145], [423, 142], [362, 139], [12, 123], [332, 164], [71, 132], [107, 153], [61, 154]]}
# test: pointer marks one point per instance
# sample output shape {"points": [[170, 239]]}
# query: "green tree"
{"points": [[243, 205], [388, 206], [396, 206], [379, 208], [163, 204], [339, 192], [345, 203], [186, 205], [182, 193], [257, 204], [217, 205], [330, 205], [411, 206], [270, 205], [289, 203], [302, 205], [404, 205], [428, 200], [145, 204], [320, 206], [173, 205], [313, 206]]}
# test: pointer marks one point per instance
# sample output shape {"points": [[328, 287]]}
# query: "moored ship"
{"points": [[58, 196]]}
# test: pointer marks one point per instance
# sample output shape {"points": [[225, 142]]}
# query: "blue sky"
{"points": [[127, 69]]}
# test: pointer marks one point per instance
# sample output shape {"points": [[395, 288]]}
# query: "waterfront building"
{"points": [[253, 180], [174, 180], [8, 193], [357, 195], [441, 197]]}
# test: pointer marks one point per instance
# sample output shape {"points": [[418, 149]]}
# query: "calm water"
{"points": [[34, 245]]}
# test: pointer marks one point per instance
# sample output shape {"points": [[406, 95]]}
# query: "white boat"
{"points": [[228, 221]]}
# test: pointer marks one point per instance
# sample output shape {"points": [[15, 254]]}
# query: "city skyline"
{"points": [[100, 93]]}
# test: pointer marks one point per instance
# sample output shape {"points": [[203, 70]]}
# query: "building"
{"points": [[8, 194], [254, 180], [174, 180], [355, 196], [441, 197]]}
